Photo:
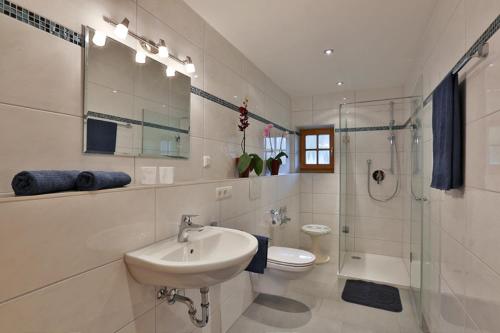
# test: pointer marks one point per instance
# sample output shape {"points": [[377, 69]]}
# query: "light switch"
{"points": [[206, 161]]}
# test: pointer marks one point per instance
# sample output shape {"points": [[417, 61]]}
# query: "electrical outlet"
{"points": [[223, 192]]}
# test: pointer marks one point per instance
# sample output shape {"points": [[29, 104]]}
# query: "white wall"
{"points": [[62, 253], [461, 271]]}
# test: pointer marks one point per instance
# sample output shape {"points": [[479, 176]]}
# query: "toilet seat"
{"points": [[285, 258]]}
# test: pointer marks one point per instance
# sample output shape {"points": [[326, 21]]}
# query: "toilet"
{"points": [[316, 231], [283, 265]]}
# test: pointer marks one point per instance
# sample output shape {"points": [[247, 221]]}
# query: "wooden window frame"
{"points": [[316, 167]]}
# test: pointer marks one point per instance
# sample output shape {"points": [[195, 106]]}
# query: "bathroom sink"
{"points": [[210, 256]]}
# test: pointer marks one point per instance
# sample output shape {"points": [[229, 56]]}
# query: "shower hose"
{"points": [[398, 175]]}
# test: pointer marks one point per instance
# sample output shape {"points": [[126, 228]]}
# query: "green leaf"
{"points": [[268, 163], [280, 155], [257, 164], [244, 162]]}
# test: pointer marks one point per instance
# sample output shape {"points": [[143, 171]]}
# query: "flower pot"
{"points": [[245, 173], [275, 167]]}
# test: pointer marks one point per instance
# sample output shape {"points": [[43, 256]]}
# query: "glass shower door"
{"points": [[416, 210]]}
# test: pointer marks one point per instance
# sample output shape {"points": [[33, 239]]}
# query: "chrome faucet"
{"points": [[186, 226], [283, 216]]}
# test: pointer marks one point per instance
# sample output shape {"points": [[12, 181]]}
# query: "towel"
{"points": [[259, 261], [447, 130], [101, 136], [43, 181], [98, 180]]}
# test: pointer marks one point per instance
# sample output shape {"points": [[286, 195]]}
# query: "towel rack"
{"points": [[479, 49]]}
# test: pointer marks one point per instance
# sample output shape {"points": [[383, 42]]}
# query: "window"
{"points": [[316, 150]]}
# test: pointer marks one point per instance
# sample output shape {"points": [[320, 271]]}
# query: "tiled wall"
{"points": [[461, 277], [62, 254], [375, 227], [42, 90]]}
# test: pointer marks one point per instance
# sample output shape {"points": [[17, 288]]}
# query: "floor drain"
{"points": [[355, 257]]}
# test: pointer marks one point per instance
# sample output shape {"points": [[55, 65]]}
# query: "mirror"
{"points": [[133, 109]]}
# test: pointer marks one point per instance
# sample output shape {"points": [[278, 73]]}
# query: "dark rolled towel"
{"points": [[259, 261], [98, 180], [44, 181]]}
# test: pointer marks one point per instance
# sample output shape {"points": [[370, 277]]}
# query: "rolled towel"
{"points": [[98, 180], [44, 181]]}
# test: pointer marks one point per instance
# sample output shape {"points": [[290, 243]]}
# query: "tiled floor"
{"points": [[314, 305], [376, 268]]}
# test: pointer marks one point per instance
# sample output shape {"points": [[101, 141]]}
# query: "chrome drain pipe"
{"points": [[172, 296]]}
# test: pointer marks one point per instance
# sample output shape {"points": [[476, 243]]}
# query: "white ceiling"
{"points": [[375, 41]]}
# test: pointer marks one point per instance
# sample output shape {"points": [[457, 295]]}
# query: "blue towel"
{"points": [[101, 136], [98, 180], [43, 181], [259, 261], [447, 130]]}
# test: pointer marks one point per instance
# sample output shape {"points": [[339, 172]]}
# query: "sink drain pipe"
{"points": [[172, 296]]}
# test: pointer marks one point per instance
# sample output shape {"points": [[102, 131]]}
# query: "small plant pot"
{"points": [[245, 173], [275, 167]]}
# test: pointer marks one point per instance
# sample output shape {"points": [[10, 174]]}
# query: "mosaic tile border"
{"points": [[26, 16], [229, 105], [370, 128], [135, 122]]}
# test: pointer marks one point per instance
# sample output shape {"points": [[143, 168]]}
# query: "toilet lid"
{"points": [[290, 257], [316, 229]]}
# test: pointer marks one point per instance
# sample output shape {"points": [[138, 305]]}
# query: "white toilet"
{"points": [[283, 265]]}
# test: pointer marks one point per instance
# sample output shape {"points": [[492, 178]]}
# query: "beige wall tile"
{"points": [[179, 16], [173, 202], [55, 238], [101, 300], [482, 292], [482, 226], [27, 77], [302, 103], [482, 155], [143, 324]]}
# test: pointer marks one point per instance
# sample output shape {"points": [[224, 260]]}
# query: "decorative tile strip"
{"points": [[135, 122], [22, 14], [370, 128], [229, 105]]}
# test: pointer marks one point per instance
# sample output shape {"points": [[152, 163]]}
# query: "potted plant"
{"points": [[247, 162], [273, 163]]}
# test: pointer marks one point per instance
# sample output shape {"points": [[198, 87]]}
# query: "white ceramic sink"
{"points": [[210, 256]]}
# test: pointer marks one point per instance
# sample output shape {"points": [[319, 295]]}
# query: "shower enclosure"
{"points": [[381, 197]]}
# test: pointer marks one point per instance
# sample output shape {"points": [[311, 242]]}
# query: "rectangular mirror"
{"points": [[133, 109]]}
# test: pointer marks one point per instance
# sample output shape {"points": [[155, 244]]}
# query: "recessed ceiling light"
{"points": [[345, 98], [491, 65], [340, 83], [328, 51], [115, 91]]}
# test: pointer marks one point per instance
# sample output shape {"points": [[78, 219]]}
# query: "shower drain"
{"points": [[356, 257]]}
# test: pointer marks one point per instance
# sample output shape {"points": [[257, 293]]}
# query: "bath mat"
{"points": [[372, 294]]}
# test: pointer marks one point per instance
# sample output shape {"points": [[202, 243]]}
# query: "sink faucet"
{"points": [[186, 226]]}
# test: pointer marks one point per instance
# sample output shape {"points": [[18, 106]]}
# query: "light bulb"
{"points": [[170, 71], [162, 49], [99, 38], [140, 57], [121, 29], [189, 66]]}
